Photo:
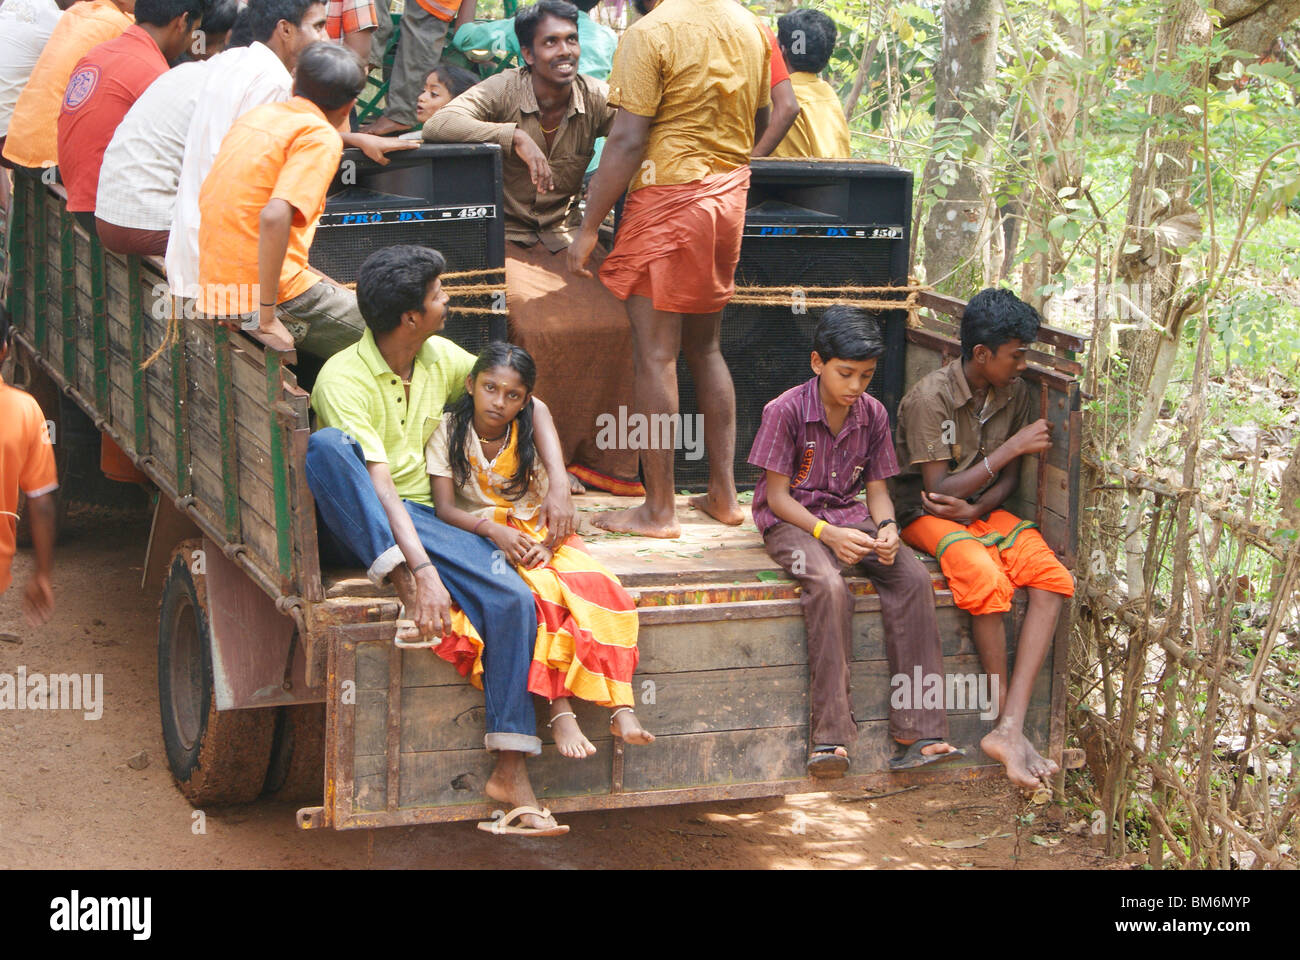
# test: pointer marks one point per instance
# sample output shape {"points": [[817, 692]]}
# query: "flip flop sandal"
{"points": [[825, 764], [503, 825], [907, 757], [407, 635]]}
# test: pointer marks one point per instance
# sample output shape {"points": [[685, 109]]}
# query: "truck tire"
{"points": [[215, 756], [297, 768]]}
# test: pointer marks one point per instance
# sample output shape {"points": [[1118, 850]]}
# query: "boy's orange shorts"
{"points": [[985, 560]]}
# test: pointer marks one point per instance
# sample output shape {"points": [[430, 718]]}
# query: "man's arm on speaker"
{"points": [[476, 116], [621, 159]]}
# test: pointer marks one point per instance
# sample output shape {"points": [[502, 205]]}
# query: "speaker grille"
{"points": [[338, 251], [767, 348]]}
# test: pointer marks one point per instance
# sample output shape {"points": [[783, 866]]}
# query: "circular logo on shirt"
{"points": [[80, 87]]}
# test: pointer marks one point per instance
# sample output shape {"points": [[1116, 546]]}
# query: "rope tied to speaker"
{"points": [[764, 296]]}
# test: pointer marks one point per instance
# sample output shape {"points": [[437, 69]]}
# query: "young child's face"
{"points": [[1005, 364], [434, 98], [843, 381], [499, 394]]}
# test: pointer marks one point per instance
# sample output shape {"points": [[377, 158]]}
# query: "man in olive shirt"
{"points": [[961, 433], [547, 117]]}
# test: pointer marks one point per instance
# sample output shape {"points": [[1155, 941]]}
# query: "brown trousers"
{"points": [[911, 631]]}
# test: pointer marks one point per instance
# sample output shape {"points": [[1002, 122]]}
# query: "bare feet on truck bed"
{"points": [[639, 521], [722, 509], [1025, 767]]}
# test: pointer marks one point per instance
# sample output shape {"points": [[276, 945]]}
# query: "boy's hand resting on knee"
{"points": [[887, 544], [948, 508], [848, 545]]}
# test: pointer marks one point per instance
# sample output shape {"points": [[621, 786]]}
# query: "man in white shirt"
{"points": [[142, 163], [238, 81], [25, 25]]}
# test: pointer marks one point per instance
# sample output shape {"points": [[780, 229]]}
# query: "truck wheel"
{"points": [[215, 756], [297, 768]]}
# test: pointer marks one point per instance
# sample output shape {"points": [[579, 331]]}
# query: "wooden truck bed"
{"points": [[221, 427], [722, 683]]}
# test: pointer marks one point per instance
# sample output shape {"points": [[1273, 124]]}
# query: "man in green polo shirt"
{"points": [[377, 402]]}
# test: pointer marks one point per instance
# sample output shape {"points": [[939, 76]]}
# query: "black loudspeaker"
{"points": [[445, 196], [809, 223]]}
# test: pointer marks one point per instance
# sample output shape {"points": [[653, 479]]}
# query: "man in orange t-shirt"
{"points": [[33, 131], [107, 80], [259, 206], [26, 464]]}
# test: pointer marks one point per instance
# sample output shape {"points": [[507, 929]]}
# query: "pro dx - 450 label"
{"points": [[422, 214]]}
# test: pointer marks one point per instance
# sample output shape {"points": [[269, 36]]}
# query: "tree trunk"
{"points": [[1057, 160], [963, 216], [1158, 192]]}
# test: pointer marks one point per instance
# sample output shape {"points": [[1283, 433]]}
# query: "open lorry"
{"points": [[279, 678]]}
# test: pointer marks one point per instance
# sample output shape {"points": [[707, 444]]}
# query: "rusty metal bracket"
{"points": [[616, 775], [311, 818]]}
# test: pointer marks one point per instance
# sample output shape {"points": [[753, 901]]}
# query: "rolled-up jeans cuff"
{"points": [[522, 742], [384, 564]]}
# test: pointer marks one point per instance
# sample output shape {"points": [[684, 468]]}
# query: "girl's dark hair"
{"points": [[461, 415], [456, 79], [847, 332]]}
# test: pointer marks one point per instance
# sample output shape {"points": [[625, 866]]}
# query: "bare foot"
{"points": [[569, 738], [936, 748], [383, 127], [728, 512], [1007, 747], [1038, 765], [628, 728], [639, 521], [575, 485], [509, 785]]}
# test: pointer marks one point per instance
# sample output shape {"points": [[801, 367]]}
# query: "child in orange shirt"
{"points": [[26, 463], [259, 207]]}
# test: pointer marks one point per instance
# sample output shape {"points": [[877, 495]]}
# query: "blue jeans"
{"points": [[355, 531]]}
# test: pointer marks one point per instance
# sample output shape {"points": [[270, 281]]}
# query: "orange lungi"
{"points": [[678, 244], [985, 560]]}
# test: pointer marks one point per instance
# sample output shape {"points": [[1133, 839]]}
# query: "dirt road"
{"points": [[75, 792]]}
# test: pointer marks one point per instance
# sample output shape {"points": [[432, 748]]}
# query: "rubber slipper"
{"points": [[911, 756], [407, 635], [825, 764], [505, 824]]}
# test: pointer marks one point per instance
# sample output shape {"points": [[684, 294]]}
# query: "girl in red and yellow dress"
{"points": [[488, 479]]}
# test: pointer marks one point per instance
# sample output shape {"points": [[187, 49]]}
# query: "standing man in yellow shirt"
{"points": [[807, 40], [692, 84]]}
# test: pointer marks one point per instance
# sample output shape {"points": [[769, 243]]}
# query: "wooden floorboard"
{"points": [[707, 553]]}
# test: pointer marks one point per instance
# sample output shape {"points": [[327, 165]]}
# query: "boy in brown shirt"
{"points": [[961, 433]]}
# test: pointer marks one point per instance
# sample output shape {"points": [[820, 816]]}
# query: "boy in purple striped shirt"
{"points": [[818, 444]]}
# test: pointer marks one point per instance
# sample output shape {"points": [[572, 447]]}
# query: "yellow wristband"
{"points": [[817, 530]]}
